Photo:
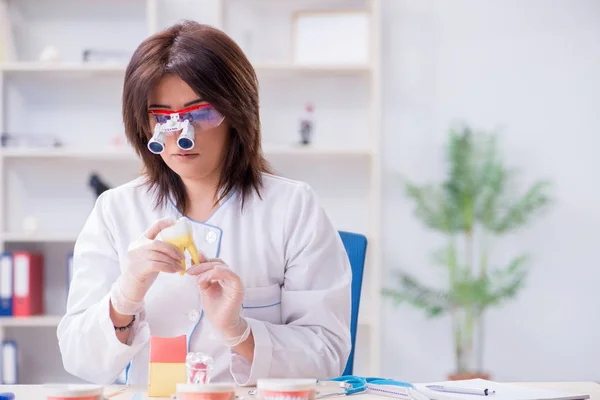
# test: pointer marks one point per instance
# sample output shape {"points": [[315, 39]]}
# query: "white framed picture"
{"points": [[323, 38]]}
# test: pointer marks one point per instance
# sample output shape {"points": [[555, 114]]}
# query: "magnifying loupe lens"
{"points": [[156, 147], [185, 143]]}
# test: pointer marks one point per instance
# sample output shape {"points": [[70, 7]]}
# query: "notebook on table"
{"points": [[503, 391]]}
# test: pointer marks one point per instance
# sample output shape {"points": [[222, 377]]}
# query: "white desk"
{"points": [[34, 392]]}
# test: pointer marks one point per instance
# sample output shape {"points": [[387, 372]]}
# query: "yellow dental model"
{"points": [[181, 236]]}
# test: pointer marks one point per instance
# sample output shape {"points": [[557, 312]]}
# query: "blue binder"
{"points": [[6, 284]]}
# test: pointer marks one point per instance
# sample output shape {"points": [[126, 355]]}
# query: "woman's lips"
{"points": [[185, 156]]}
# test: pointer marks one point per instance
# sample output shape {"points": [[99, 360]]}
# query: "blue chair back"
{"points": [[356, 247]]}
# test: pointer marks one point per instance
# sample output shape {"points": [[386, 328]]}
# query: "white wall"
{"points": [[532, 69]]}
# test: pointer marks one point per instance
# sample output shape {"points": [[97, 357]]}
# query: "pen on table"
{"points": [[451, 389]]}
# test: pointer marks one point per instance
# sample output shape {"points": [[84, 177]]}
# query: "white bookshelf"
{"points": [[80, 104], [31, 322]]}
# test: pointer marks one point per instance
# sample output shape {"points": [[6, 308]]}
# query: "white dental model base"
{"points": [[185, 141]]}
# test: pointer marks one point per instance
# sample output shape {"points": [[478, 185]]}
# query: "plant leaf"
{"points": [[431, 207], [505, 283], [522, 210], [459, 187], [477, 192], [432, 301]]}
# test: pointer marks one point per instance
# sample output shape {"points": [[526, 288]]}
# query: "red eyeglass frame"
{"points": [[183, 110]]}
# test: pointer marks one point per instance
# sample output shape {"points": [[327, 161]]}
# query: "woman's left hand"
{"points": [[222, 294]]}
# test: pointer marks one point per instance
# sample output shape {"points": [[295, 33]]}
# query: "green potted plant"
{"points": [[476, 203]]}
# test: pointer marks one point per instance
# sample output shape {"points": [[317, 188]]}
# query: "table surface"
{"points": [[35, 392]]}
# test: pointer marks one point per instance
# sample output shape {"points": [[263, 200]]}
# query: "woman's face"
{"points": [[204, 159]]}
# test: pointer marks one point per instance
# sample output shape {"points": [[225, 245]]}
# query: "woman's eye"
{"points": [[200, 115], [161, 119]]}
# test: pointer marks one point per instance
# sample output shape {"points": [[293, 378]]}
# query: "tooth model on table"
{"points": [[181, 236]]}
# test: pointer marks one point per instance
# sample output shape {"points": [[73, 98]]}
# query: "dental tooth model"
{"points": [[181, 236]]}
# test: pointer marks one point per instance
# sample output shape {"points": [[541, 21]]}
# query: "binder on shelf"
{"points": [[28, 289], [69, 275], [10, 365], [69, 269], [6, 284]]}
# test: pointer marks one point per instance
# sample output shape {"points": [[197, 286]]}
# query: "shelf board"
{"points": [[72, 68], [34, 321], [127, 154], [53, 152], [290, 67], [275, 150], [16, 237], [53, 320], [77, 68]]}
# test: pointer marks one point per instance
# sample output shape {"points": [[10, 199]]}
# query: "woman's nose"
{"points": [[172, 137]]}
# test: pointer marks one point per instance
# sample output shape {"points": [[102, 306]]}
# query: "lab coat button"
{"points": [[194, 315], [211, 237]]}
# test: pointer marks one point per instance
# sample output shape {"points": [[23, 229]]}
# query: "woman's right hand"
{"points": [[146, 258]]}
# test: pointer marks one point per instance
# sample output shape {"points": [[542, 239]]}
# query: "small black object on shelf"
{"points": [[4, 138], [306, 125], [98, 184]]}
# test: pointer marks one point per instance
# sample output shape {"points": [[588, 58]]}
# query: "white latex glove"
{"points": [[222, 294], [146, 258]]}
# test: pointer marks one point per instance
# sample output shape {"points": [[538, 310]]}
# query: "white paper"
{"points": [[503, 391]]}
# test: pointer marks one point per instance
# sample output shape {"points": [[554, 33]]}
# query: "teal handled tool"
{"points": [[351, 384]]}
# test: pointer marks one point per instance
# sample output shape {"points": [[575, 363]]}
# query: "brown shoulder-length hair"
{"points": [[214, 66]]}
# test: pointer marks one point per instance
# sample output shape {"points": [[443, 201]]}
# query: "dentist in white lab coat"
{"points": [[271, 295]]}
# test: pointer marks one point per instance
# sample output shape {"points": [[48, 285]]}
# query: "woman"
{"points": [[270, 296]]}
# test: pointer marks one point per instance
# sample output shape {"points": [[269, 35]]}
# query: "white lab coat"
{"points": [[290, 258]]}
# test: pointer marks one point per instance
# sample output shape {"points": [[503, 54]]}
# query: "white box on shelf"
{"points": [[331, 38]]}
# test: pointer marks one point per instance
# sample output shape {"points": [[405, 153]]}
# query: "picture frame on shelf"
{"points": [[327, 38]]}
